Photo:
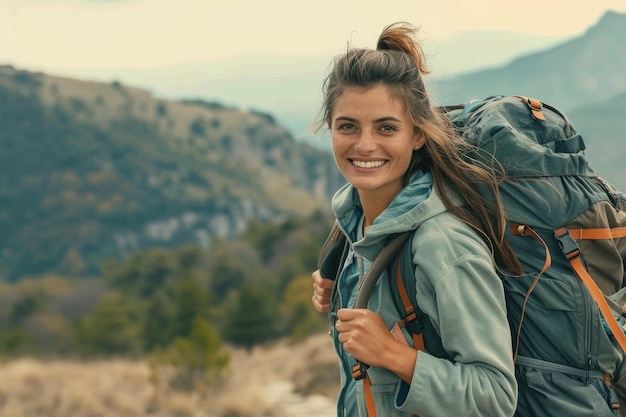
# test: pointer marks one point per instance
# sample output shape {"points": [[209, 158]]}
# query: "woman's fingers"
{"points": [[322, 290]]}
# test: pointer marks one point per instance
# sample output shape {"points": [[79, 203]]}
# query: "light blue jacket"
{"points": [[458, 290]]}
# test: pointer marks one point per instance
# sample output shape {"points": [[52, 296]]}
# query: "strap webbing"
{"points": [[369, 397], [572, 253], [409, 310], [574, 259], [535, 107], [598, 234], [582, 273]]}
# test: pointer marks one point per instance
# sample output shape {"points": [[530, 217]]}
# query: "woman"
{"points": [[406, 170]]}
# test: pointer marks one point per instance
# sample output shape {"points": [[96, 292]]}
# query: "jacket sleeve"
{"points": [[460, 292]]}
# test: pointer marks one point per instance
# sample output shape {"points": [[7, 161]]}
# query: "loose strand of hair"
{"points": [[450, 168]]}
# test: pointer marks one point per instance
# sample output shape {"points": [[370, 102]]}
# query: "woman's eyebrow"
{"points": [[379, 120], [387, 119], [346, 118]]}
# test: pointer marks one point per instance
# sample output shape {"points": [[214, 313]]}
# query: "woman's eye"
{"points": [[346, 126], [387, 128]]}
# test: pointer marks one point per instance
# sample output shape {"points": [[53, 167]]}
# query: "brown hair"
{"points": [[398, 63]]}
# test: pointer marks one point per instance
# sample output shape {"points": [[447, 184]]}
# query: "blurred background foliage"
{"points": [[247, 290], [178, 307]]}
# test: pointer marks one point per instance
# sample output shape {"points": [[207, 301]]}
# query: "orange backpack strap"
{"points": [[369, 397], [535, 107], [409, 309], [597, 234], [572, 252]]}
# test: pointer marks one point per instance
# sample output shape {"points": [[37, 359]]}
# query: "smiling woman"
{"points": [[407, 172]]}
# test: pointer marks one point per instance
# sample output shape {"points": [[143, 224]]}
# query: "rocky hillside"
{"points": [[91, 170]]}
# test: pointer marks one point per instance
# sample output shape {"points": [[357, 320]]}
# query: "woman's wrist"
{"points": [[400, 359]]}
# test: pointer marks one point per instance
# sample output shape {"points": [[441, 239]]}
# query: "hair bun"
{"points": [[401, 36]]}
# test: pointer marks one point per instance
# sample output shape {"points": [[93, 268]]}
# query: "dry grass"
{"points": [[63, 388], [260, 383]]}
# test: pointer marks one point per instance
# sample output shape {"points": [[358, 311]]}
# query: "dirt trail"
{"points": [[272, 377], [280, 394]]}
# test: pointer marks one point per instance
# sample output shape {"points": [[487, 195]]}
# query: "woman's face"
{"points": [[373, 139]]}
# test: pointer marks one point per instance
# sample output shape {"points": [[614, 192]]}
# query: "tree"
{"points": [[191, 361], [190, 302], [110, 329], [157, 327], [253, 319], [16, 342], [227, 272], [189, 256], [302, 319], [143, 273]]}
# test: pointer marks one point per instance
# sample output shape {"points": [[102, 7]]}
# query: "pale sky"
{"points": [[76, 34]]}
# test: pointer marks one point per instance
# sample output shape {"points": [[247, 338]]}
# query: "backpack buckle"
{"points": [[359, 371], [413, 323], [568, 245]]}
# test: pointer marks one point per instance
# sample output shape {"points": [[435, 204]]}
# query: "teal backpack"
{"points": [[567, 227]]}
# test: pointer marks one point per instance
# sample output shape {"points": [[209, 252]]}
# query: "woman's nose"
{"points": [[365, 142]]}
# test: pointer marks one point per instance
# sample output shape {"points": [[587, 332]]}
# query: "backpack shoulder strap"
{"points": [[404, 296], [333, 253], [413, 319]]}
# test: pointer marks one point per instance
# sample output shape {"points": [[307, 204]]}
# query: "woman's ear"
{"points": [[419, 140]]}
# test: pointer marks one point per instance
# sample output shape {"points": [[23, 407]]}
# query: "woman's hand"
{"points": [[322, 289], [365, 336]]}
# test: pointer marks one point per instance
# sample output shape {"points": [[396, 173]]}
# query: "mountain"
{"points": [[566, 73], [602, 127], [584, 69], [289, 86], [91, 170]]}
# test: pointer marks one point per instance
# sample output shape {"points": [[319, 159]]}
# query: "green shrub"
{"points": [[189, 363]]}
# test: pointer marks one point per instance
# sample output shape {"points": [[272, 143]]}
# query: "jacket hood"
{"points": [[413, 205]]}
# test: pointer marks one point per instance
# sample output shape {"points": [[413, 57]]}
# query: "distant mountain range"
{"points": [[289, 87], [580, 71], [572, 74]]}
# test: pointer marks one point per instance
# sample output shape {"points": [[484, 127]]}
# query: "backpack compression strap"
{"points": [[571, 250], [597, 234]]}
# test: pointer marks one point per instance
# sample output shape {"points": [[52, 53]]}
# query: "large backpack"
{"points": [[567, 227]]}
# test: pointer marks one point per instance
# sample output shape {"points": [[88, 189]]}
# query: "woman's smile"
{"points": [[368, 164]]}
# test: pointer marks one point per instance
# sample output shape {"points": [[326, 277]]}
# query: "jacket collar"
{"points": [[413, 205]]}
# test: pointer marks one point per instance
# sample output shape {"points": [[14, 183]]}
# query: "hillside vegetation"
{"points": [[92, 171]]}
